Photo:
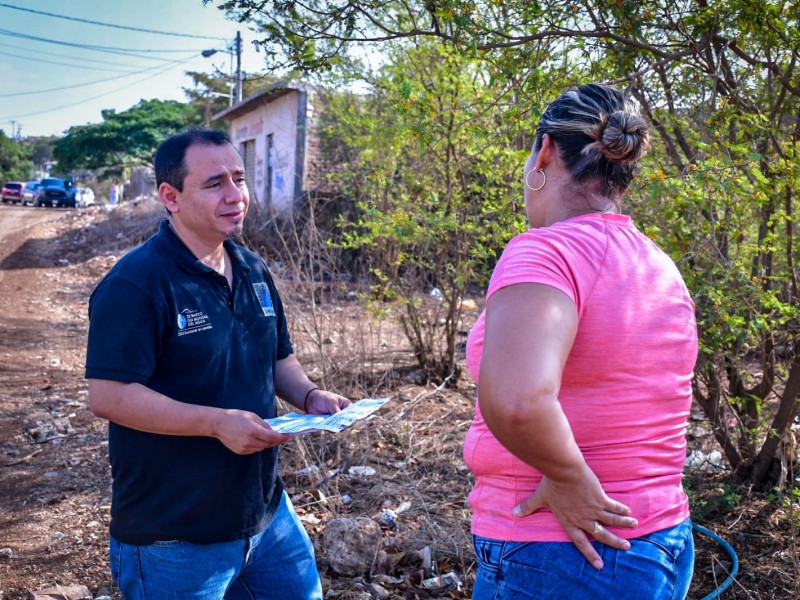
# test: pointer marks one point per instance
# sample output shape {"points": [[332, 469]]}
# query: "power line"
{"points": [[94, 61], [109, 49], [87, 83], [112, 25], [114, 91], [64, 64]]}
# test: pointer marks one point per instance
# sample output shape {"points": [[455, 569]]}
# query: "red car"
{"points": [[12, 191]]}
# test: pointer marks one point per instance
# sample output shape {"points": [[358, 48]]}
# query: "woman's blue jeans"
{"points": [[276, 563], [657, 567]]}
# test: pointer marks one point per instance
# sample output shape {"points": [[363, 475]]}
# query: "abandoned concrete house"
{"points": [[275, 132]]}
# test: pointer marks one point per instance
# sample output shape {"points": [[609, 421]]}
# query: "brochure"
{"points": [[301, 423]]}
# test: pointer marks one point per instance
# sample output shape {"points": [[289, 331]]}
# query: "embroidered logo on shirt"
{"points": [[264, 298], [191, 320]]}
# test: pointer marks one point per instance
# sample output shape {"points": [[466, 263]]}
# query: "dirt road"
{"points": [[15, 218], [15, 223], [53, 470]]}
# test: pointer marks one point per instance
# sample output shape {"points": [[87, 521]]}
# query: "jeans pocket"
{"points": [[487, 553], [672, 541], [166, 543]]}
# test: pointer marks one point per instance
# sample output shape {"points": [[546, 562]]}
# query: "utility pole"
{"points": [[237, 46], [238, 66]]}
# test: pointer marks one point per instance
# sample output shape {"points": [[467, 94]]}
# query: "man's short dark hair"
{"points": [[169, 162]]}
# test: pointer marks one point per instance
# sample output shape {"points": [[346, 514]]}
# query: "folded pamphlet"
{"points": [[301, 423]]}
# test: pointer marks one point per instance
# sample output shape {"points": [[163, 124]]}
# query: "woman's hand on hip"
{"points": [[584, 510]]}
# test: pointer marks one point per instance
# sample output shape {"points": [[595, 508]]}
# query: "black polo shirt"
{"points": [[163, 319]]}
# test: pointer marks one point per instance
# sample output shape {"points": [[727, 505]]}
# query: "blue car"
{"points": [[56, 192]]}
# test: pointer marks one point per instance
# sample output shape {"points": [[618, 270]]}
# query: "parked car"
{"points": [[55, 192], [29, 192], [12, 191], [85, 196]]}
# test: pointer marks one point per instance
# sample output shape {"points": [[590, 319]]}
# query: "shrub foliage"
{"points": [[432, 152]]}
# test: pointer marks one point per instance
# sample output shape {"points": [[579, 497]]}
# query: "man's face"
{"points": [[214, 200]]}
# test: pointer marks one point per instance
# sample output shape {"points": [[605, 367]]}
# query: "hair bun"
{"points": [[623, 137], [599, 135]]}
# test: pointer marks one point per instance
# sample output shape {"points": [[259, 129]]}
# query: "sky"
{"points": [[52, 80]]}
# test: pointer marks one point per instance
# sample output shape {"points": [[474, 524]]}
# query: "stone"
{"points": [[62, 592], [350, 545], [378, 591], [470, 305]]}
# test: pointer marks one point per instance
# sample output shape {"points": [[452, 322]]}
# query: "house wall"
{"points": [[316, 169], [277, 118], [297, 168]]}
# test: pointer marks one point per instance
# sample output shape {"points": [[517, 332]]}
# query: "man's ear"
{"points": [[169, 197]]}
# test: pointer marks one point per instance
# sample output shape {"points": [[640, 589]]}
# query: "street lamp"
{"points": [[237, 46]]}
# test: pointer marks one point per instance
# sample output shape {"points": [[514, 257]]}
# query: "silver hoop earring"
{"points": [[529, 186]]}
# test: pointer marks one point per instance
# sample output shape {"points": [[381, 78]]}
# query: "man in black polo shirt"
{"points": [[188, 347]]}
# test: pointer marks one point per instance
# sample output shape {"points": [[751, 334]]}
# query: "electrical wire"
{"points": [[63, 64], [114, 91], [108, 49], [729, 549], [24, 51], [87, 83], [27, 49], [111, 25]]}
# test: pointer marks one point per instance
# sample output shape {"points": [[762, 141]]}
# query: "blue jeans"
{"points": [[276, 563], [658, 566]]}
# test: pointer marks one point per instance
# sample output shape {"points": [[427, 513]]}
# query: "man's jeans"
{"points": [[657, 567], [277, 563]]}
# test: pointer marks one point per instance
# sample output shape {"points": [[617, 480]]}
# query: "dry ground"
{"points": [[54, 476]]}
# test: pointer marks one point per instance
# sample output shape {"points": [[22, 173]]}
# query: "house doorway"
{"points": [[249, 158], [270, 174]]}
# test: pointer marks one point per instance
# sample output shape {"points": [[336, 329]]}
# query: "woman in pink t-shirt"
{"points": [[583, 358]]}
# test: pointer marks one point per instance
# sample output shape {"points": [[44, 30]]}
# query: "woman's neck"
{"points": [[575, 200]]}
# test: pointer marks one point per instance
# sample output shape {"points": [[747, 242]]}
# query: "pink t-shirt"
{"points": [[626, 385]]}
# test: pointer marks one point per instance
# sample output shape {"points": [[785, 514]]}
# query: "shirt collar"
{"points": [[179, 252]]}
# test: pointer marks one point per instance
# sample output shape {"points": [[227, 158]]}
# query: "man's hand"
{"points": [[244, 432], [321, 402], [293, 385]]}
